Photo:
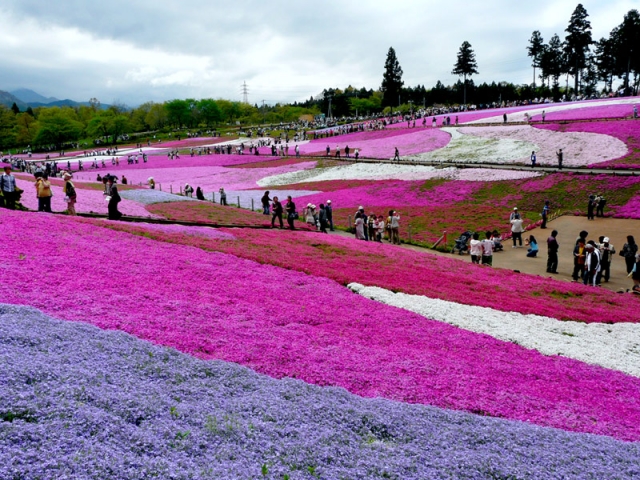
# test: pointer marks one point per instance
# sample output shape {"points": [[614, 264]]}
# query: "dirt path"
{"points": [[568, 228]]}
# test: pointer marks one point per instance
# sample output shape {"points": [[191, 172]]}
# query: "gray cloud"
{"points": [[135, 51]]}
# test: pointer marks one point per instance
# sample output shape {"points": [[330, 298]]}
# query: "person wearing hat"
{"points": [[514, 214], [69, 191], [606, 255], [516, 230], [329, 211], [8, 188]]}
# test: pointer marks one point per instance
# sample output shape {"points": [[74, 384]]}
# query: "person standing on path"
{"points": [[223, 196], [560, 157], [328, 151], [69, 191], [276, 212], [533, 159], [322, 218], [607, 251], [629, 251], [114, 213], [43, 192], [8, 187], [265, 203], [395, 228], [291, 212], [552, 252], [329, 211], [504, 118], [591, 264], [545, 214], [475, 248], [516, 231], [579, 257], [600, 206], [359, 224], [487, 250], [544, 114], [396, 155], [591, 205]]}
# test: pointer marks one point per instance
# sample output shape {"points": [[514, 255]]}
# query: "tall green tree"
{"points": [[178, 112], [465, 65], [57, 126], [391, 80], [605, 60], [534, 50], [627, 47], [577, 43]]}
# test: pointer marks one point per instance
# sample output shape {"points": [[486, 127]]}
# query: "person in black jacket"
{"points": [[552, 253], [114, 213], [276, 212], [323, 219], [291, 212]]}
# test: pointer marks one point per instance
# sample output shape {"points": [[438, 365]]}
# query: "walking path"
{"points": [[568, 228]]}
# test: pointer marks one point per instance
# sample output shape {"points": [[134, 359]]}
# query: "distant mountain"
{"points": [[29, 96], [66, 103], [7, 99]]}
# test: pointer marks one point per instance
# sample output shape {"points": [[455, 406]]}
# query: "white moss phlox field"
{"points": [[615, 346]]}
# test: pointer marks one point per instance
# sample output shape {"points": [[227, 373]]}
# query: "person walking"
{"points": [[199, 192], [591, 206], [329, 211], [69, 191], [396, 155], [265, 203], [560, 157], [629, 251], [516, 231], [533, 159], [552, 252], [223, 196], [8, 188], [276, 212], [545, 214], [43, 193]]}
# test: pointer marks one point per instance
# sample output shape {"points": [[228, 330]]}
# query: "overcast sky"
{"points": [[133, 51]]}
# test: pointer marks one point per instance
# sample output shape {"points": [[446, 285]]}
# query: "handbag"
{"points": [[66, 199], [107, 198]]}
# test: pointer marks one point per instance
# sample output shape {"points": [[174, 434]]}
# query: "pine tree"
{"points": [[534, 50], [577, 43], [465, 65], [627, 46], [15, 109], [391, 80]]}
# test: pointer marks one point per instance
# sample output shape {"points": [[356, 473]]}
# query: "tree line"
{"points": [[52, 127]]}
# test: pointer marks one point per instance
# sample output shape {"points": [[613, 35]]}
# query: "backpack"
{"points": [[70, 191]]}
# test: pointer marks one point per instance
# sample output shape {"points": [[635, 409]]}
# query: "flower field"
{"points": [[147, 350]]}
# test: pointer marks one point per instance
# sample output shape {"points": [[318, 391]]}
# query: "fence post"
{"points": [[160, 185], [180, 189], [350, 223], [171, 187], [252, 207], [213, 197], [238, 202]]}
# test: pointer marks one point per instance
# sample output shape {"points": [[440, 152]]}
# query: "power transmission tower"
{"points": [[245, 92], [329, 112]]}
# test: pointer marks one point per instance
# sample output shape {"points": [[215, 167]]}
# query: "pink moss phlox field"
{"points": [[287, 324], [88, 201], [628, 131], [587, 113], [394, 192], [630, 210], [381, 143]]}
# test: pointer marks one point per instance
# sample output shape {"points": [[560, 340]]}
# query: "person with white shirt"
{"points": [[476, 249]]}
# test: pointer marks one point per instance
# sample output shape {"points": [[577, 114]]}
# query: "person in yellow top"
{"points": [[44, 193]]}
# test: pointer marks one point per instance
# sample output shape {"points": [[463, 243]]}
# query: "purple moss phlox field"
{"points": [[79, 402], [288, 324]]}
